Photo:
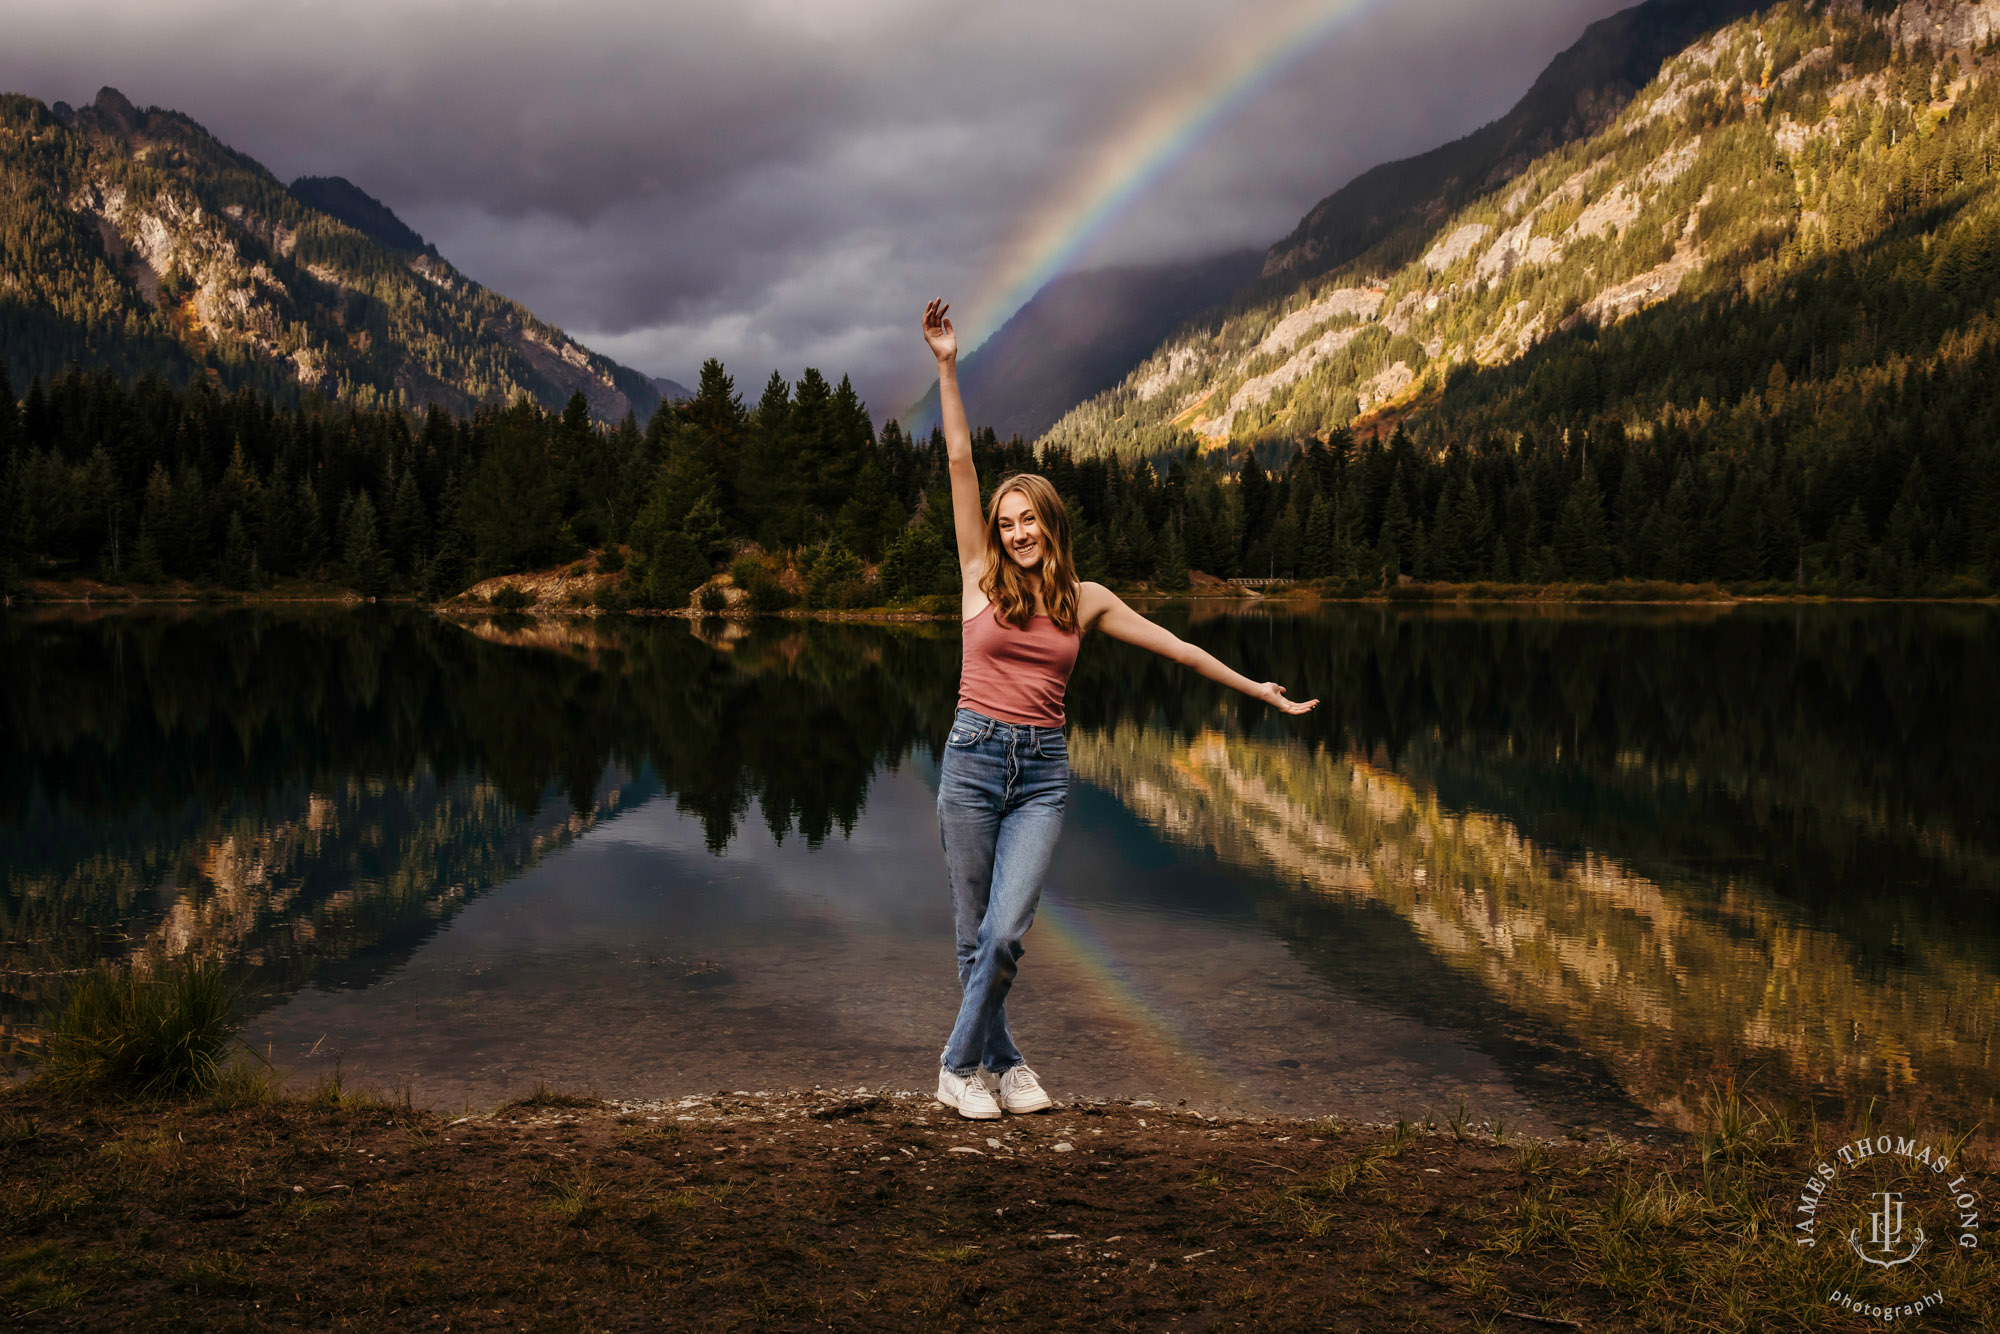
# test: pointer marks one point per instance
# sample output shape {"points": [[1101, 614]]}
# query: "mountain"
{"points": [[135, 241], [1078, 334], [671, 389], [1579, 93], [1082, 332], [1807, 197], [341, 198]]}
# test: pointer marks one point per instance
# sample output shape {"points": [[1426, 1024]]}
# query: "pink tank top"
{"points": [[1017, 676]]}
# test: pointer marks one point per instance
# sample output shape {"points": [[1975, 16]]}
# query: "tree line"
{"points": [[801, 498]]}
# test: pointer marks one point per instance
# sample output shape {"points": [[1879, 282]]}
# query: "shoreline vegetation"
{"points": [[937, 607], [152, 1176]]}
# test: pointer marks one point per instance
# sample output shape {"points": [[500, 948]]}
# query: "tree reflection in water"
{"points": [[1696, 840]]}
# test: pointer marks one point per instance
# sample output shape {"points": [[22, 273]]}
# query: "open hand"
{"points": [[938, 331], [1274, 694]]}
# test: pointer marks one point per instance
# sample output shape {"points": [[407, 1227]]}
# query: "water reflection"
{"points": [[1573, 862]]}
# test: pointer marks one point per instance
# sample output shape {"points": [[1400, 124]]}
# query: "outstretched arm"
{"points": [[1107, 611], [968, 522]]}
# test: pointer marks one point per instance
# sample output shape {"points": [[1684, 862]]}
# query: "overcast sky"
{"points": [[782, 183]]}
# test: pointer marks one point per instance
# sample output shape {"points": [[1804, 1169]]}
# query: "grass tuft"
{"points": [[577, 1200], [127, 1036], [544, 1096], [17, 1130]]}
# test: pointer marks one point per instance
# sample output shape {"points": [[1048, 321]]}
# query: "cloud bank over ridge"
{"points": [[775, 182]]}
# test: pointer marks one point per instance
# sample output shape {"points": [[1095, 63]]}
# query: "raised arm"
{"points": [[1106, 611], [968, 522]]}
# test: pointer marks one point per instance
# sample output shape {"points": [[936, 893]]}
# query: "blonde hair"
{"points": [[1010, 588]]}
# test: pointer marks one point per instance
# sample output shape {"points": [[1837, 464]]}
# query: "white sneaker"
{"points": [[968, 1094], [1017, 1090]]}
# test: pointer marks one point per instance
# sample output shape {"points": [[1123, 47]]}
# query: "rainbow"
{"points": [[1144, 149], [1127, 1003]]}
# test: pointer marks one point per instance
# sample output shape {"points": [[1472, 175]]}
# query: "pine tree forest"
{"points": [[1748, 336]]}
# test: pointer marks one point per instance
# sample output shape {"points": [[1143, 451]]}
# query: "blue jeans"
{"points": [[1001, 791]]}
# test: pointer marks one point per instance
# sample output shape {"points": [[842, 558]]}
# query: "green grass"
{"points": [[546, 1097], [16, 1130], [127, 1036], [577, 1200]]}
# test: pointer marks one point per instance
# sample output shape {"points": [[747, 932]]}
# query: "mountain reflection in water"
{"points": [[1634, 849]]}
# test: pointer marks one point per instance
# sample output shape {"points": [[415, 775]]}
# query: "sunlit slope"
{"points": [[135, 241], [1773, 162], [1668, 985]]}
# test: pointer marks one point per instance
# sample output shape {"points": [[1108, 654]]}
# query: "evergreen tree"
{"points": [[511, 504], [872, 515], [447, 572], [312, 531], [186, 546], [1904, 539], [834, 579], [408, 524], [917, 565], [771, 484], [1677, 559], [1318, 556], [1350, 522], [716, 418], [147, 567], [1254, 491], [1171, 575], [666, 573], [149, 564], [239, 558], [367, 564], [1581, 540], [1740, 554], [1396, 551], [1088, 550]]}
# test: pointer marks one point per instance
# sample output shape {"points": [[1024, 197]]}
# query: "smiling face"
{"points": [[1021, 534]]}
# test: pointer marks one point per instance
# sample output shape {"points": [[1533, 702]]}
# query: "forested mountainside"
{"points": [[134, 241], [1079, 335], [1582, 90], [1807, 196]]}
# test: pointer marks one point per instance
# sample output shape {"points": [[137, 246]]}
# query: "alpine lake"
{"points": [[1542, 866]]}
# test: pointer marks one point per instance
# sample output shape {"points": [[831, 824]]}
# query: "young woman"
{"points": [[1005, 773]]}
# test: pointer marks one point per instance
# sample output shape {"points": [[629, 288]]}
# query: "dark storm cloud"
{"points": [[775, 182]]}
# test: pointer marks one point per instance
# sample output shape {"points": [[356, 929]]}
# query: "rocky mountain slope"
{"points": [[1083, 331], [1761, 153], [136, 241], [1580, 92]]}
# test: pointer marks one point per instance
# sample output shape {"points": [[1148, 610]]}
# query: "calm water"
{"points": [[1569, 868]]}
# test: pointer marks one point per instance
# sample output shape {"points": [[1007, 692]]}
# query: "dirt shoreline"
{"points": [[770, 1211], [880, 1209]]}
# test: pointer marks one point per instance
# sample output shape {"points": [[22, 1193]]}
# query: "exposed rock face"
{"points": [[1359, 302], [1257, 391], [205, 251], [1583, 90], [1942, 22], [1456, 246]]}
